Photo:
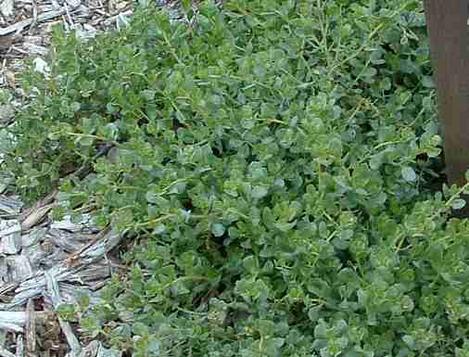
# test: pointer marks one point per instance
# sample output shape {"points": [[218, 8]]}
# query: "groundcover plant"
{"points": [[275, 167]]}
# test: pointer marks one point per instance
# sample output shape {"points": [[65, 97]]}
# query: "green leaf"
{"points": [[259, 192], [408, 174], [458, 203], [427, 82], [151, 197], [218, 229], [186, 5]]}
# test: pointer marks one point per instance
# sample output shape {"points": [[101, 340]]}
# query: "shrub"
{"points": [[275, 164]]}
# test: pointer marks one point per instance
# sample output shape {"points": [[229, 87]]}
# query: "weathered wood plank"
{"points": [[448, 27]]}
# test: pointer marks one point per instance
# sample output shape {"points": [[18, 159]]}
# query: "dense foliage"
{"points": [[275, 165]]}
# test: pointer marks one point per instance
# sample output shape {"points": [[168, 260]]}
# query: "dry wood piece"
{"points": [[30, 328], [18, 319], [21, 25], [36, 216], [6, 7], [5, 353], [10, 206], [54, 262], [6, 42], [53, 290], [46, 201], [19, 346]]}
